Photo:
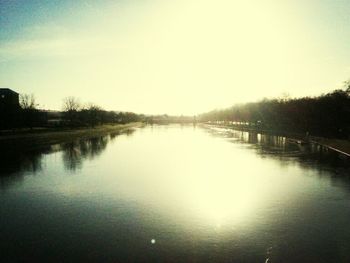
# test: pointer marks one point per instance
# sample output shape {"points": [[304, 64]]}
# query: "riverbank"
{"points": [[36, 139], [341, 146], [338, 145]]}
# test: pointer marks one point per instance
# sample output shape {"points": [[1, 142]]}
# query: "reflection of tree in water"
{"points": [[15, 163], [127, 132], [285, 150], [75, 153], [71, 156], [307, 155]]}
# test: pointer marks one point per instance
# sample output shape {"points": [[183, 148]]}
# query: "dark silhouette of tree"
{"points": [[29, 115], [27, 101], [92, 114], [347, 86], [327, 115], [73, 114], [71, 105], [95, 114]]}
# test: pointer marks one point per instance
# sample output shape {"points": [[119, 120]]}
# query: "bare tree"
{"points": [[90, 106], [71, 104], [347, 86], [27, 101]]}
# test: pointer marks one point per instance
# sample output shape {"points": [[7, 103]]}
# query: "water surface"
{"points": [[175, 194]]}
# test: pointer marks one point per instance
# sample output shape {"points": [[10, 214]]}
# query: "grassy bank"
{"points": [[36, 139]]}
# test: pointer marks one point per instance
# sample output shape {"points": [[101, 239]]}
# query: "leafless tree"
{"points": [[71, 104], [92, 107], [27, 101], [347, 86]]}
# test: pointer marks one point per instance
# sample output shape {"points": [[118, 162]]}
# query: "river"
{"points": [[175, 194]]}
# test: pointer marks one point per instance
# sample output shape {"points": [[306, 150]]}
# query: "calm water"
{"points": [[175, 194]]}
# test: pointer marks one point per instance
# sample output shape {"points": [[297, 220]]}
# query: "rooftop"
{"points": [[3, 90]]}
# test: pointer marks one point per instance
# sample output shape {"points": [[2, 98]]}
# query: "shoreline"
{"points": [[35, 139], [338, 145]]}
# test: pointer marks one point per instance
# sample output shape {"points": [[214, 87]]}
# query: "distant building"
{"points": [[9, 109], [9, 99]]}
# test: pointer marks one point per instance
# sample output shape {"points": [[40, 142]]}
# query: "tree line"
{"points": [[73, 114], [326, 115], [90, 114]]}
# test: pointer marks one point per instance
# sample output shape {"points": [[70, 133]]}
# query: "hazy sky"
{"points": [[175, 56]]}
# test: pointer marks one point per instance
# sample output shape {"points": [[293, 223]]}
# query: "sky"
{"points": [[172, 56]]}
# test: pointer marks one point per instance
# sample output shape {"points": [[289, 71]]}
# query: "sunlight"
{"points": [[221, 195], [148, 56], [220, 207]]}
